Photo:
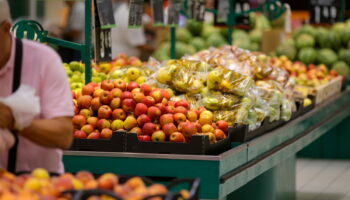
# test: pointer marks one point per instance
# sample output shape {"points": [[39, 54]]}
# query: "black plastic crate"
{"points": [[198, 145], [193, 188], [301, 110], [115, 144]]}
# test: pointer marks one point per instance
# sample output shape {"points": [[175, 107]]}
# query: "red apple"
{"points": [[182, 103], [87, 128], [200, 110], [169, 129], [157, 95], [119, 83], [117, 125], [98, 92], [166, 119], [179, 117], [85, 112], [142, 120], [177, 137], [189, 129], [115, 103], [107, 85], [84, 101], [149, 101], [136, 90], [106, 97], [164, 102], [148, 129], [172, 103], [126, 95], [129, 105], [146, 89], [103, 123], [80, 134], [181, 109], [136, 130], [158, 136], [132, 85], [161, 108], [104, 112], [144, 138], [138, 96], [76, 110], [130, 122], [88, 90], [94, 135], [106, 133], [92, 121], [170, 109], [116, 92], [107, 181], [180, 126], [154, 113], [219, 134], [119, 114], [79, 120], [166, 94], [192, 116], [223, 125], [140, 109], [95, 104]]}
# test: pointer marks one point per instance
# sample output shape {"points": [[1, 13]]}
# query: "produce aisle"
{"points": [[258, 161]]}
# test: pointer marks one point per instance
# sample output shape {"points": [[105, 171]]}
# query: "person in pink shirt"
{"points": [[26, 62]]}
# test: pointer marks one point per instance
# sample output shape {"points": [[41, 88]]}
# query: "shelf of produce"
{"points": [[220, 175]]}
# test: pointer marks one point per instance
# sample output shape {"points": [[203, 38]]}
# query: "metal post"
{"points": [[231, 20], [342, 10], [86, 53], [172, 42]]}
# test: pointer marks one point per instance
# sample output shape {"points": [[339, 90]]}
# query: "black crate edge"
{"points": [[115, 144]]}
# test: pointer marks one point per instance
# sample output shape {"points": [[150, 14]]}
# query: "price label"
{"points": [[196, 9], [135, 13], [240, 7], [324, 11], [158, 12], [104, 11], [174, 12], [103, 22]]}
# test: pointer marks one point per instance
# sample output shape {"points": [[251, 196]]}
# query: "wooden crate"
{"points": [[323, 92]]}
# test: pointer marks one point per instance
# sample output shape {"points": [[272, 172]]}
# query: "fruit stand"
{"points": [[254, 165]]}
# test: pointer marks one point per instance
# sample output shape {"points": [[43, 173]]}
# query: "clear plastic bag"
{"points": [[25, 106]]}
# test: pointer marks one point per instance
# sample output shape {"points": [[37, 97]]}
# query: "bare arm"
{"points": [[52, 133]]}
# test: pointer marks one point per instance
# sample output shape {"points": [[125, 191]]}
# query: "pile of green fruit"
{"points": [[197, 36], [329, 46]]}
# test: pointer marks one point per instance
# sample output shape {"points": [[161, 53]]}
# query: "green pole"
{"points": [[342, 10], [172, 42], [86, 53], [231, 20]]}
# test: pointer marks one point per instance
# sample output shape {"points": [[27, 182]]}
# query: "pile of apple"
{"points": [[39, 185], [305, 75], [116, 105]]}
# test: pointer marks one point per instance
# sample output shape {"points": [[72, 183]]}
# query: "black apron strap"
{"points": [[12, 156]]}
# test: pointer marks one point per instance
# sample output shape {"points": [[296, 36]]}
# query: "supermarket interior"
{"points": [[174, 99]]}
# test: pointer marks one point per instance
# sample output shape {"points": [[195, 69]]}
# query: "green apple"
{"points": [[116, 74], [103, 76], [69, 72], [76, 79], [74, 66], [96, 79]]}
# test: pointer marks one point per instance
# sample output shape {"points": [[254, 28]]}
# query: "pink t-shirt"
{"points": [[42, 69]]}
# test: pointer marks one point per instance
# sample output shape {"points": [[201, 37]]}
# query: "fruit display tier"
{"points": [[258, 161]]}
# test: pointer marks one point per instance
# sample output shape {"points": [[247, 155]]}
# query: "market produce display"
{"points": [[39, 185], [151, 113], [122, 67], [197, 36], [319, 45], [238, 86]]}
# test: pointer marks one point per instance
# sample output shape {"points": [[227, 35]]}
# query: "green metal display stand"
{"points": [[32, 30], [255, 164]]}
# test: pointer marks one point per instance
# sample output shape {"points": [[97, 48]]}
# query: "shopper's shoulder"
{"points": [[41, 50]]}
